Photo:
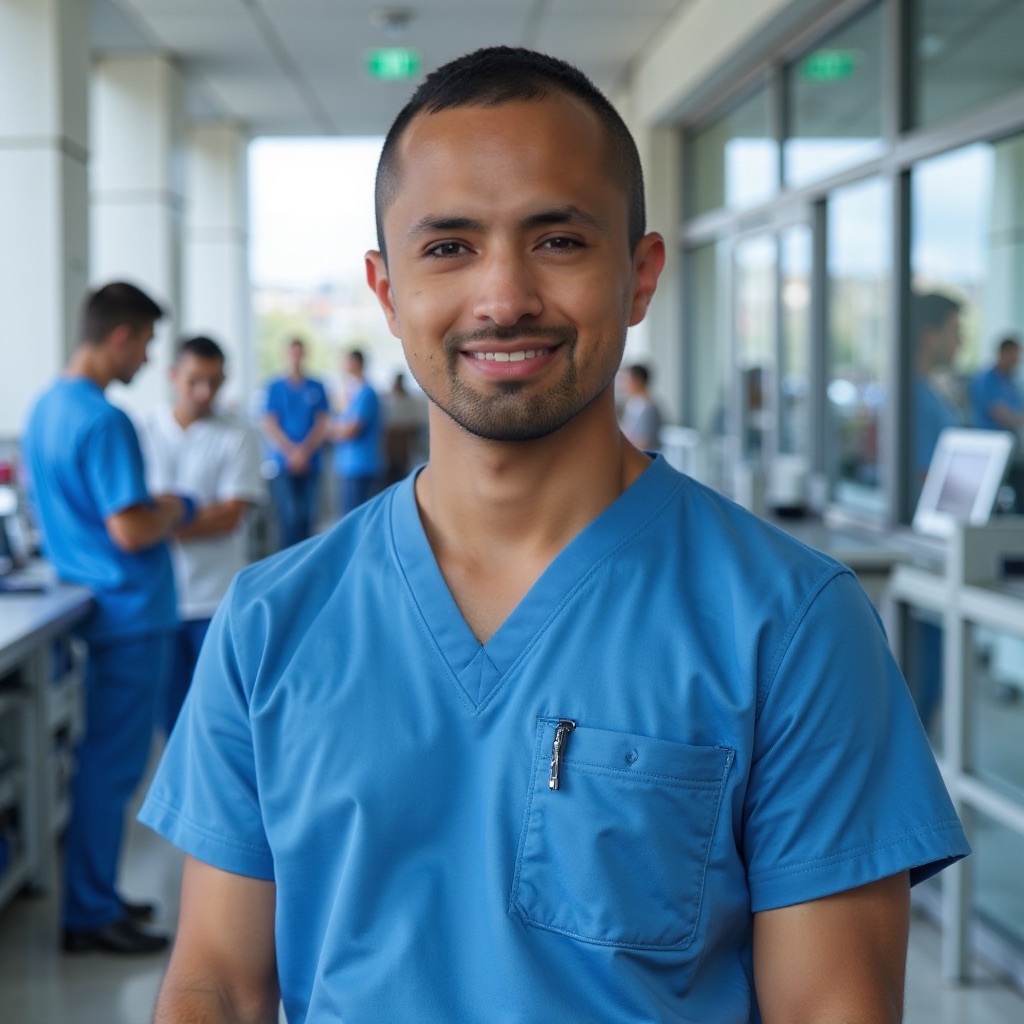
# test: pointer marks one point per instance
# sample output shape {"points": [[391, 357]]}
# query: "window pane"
{"points": [[755, 340], [998, 894], [965, 54], [794, 373], [733, 163], [707, 359], [834, 102], [995, 695], [859, 267], [967, 262]]}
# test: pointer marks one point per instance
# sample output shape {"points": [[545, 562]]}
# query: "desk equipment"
{"points": [[963, 481]]}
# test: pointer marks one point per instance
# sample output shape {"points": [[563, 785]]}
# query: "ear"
{"points": [[648, 261], [118, 336], [380, 284]]}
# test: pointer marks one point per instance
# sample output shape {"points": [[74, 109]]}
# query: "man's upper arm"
{"points": [[839, 959], [224, 964]]}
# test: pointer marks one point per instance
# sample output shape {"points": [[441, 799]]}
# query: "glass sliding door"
{"points": [[859, 265]]}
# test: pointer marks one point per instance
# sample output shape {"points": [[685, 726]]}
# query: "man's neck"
{"points": [[89, 362], [497, 514], [183, 417]]}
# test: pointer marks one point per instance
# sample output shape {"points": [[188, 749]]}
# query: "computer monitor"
{"points": [[963, 480]]}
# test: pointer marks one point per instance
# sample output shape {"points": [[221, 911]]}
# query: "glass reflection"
{"points": [[733, 162], [794, 373], [708, 360], [859, 225], [998, 894], [755, 340], [967, 257], [964, 54], [834, 102], [995, 696]]}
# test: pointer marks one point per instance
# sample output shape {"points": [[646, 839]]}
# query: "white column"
{"points": [[216, 292], [138, 196], [44, 135]]}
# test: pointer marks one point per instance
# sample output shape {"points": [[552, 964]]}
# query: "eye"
{"points": [[446, 249], [561, 243]]}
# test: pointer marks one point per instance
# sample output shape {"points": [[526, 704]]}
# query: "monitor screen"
{"points": [[963, 481]]}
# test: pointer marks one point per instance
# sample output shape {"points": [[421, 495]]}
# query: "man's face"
{"points": [[509, 276], [946, 340], [1009, 357], [196, 382], [130, 350], [296, 356]]}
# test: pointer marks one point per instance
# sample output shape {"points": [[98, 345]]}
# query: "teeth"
{"points": [[507, 357]]}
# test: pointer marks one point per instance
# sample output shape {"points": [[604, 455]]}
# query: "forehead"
{"points": [[555, 148], [192, 365]]}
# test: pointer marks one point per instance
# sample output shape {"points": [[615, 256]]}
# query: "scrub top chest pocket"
{"points": [[616, 853]]}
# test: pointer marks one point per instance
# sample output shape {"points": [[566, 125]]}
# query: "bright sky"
{"points": [[312, 209]]}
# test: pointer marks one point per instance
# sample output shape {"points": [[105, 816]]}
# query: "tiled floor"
{"points": [[39, 986]]}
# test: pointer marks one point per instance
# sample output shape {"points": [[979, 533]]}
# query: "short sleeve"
{"points": [[272, 404], [843, 787], [241, 478], [321, 404], [204, 796], [113, 465]]}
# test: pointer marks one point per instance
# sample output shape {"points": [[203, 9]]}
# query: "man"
{"points": [[936, 330], [191, 448], [996, 402], [641, 420], [100, 527], [296, 422], [357, 438], [548, 731]]}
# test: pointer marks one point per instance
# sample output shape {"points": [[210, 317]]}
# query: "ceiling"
{"points": [[298, 67]]}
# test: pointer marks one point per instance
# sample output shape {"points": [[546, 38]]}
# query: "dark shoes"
{"points": [[140, 913], [124, 936]]}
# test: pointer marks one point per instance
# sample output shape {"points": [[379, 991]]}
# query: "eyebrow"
{"points": [[567, 215]]}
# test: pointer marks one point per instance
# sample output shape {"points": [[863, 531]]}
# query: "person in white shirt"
{"points": [[191, 448]]}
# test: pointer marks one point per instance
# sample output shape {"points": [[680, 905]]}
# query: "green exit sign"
{"points": [[392, 62], [829, 65]]}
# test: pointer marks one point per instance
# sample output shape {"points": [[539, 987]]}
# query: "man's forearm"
{"points": [[214, 519], [211, 1003]]}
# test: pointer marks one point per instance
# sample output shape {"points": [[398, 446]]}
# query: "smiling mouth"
{"points": [[509, 357]]}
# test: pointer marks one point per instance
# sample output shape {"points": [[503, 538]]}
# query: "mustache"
{"points": [[560, 335]]}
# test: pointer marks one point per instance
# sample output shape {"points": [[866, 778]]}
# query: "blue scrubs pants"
{"points": [[295, 501], [124, 679], [353, 491], [188, 639]]}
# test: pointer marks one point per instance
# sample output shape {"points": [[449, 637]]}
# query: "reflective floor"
{"points": [[40, 986]]}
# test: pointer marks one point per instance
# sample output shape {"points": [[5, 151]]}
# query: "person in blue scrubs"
{"points": [[547, 731], [358, 455], [100, 527], [296, 421], [996, 400]]}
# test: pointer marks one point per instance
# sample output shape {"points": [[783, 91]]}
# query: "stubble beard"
{"points": [[509, 413]]}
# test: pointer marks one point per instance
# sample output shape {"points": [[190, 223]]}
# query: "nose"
{"points": [[507, 288]]}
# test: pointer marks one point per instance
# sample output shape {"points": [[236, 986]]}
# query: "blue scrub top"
{"points": [[743, 741], [988, 388], [84, 464], [361, 455], [930, 415], [296, 407]]}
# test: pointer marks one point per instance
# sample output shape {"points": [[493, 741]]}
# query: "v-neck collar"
{"points": [[477, 668]]}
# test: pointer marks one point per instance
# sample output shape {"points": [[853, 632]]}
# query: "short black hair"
{"points": [[931, 311], [1010, 341], [200, 346], [357, 355], [114, 304], [495, 75], [640, 373]]}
